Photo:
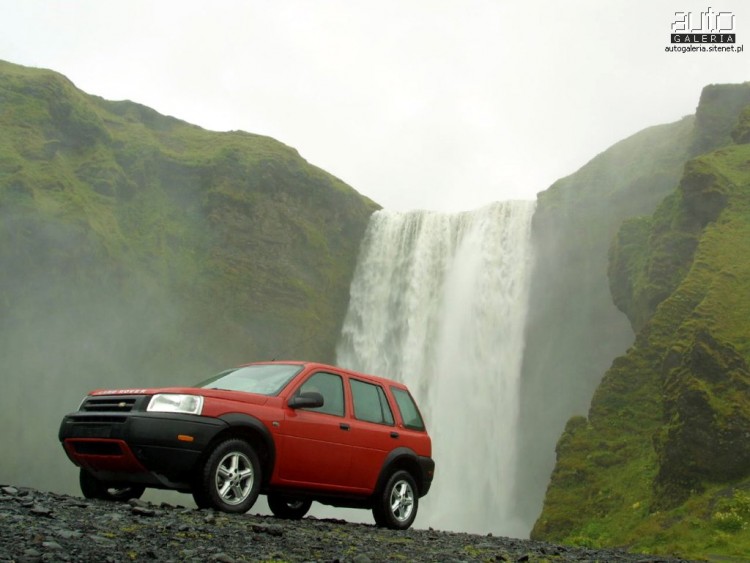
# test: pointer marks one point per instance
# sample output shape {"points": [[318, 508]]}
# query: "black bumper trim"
{"points": [[427, 466], [152, 437]]}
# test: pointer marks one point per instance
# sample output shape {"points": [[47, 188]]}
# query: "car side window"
{"points": [[409, 411], [370, 403], [329, 385]]}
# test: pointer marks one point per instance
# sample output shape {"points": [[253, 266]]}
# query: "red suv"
{"points": [[297, 432]]}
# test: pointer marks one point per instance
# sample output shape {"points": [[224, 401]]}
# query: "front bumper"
{"points": [[159, 449]]}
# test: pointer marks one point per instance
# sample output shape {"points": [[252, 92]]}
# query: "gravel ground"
{"points": [[44, 526]]}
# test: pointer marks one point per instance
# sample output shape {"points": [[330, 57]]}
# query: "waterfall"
{"points": [[439, 302]]}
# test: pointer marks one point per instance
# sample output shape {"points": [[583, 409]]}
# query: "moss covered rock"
{"points": [[707, 420], [666, 440]]}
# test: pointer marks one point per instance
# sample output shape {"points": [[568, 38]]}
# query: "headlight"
{"points": [[168, 402]]}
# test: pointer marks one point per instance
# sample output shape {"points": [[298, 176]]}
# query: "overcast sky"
{"points": [[428, 104]]}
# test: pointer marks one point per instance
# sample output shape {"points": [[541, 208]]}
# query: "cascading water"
{"points": [[439, 301]]}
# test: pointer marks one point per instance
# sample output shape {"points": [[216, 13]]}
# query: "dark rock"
{"points": [[69, 534], [143, 511], [38, 510], [271, 530], [101, 540], [51, 545]]}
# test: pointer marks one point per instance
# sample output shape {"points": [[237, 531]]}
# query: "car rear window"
{"points": [[370, 403], [408, 408], [265, 379]]}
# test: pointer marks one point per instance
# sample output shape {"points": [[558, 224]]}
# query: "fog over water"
{"points": [[439, 301]]}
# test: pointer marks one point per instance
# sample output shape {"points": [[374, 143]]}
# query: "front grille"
{"points": [[97, 418], [109, 404], [96, 426]]}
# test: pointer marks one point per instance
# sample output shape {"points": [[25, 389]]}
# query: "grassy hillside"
{"points": [[662, 462], [137, 249], [575, 330]]}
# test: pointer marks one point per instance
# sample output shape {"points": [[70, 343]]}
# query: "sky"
{"points": [[418, 104]]}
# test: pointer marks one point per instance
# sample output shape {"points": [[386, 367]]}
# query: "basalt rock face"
{"points": [[139, 250], [716, 115], [706, 431], [662, 459], [651, 255]]}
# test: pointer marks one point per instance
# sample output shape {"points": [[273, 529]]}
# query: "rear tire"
{"points": [[230, 478], [288, 508], [93, 488], [396, 504]]}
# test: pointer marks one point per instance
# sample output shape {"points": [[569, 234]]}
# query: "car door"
{"points": [[314, 447], [374, 433]]}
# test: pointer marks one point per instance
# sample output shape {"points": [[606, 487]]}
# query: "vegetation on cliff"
{"points": [[137, 249], [662, 462], [574, 330]]}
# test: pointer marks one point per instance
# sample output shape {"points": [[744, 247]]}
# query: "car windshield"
{"points": [[264, 379]]}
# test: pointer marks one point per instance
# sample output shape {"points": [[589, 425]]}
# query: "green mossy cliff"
{"points": [[574, 330], [137, 249], [662, 462]]}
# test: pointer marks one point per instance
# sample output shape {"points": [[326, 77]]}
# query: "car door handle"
{"points": [[394, 434], [344, 426]]}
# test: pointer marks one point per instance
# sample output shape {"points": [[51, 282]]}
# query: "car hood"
{"points": [[212, 393]]}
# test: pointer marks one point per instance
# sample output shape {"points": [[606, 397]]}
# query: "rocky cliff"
{"points": [[661, 460], [574, 330]]}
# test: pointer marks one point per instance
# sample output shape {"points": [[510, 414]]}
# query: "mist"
{"points": [[72, 321]]}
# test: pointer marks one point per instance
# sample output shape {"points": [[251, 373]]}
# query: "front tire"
{"points": [[200, 497], [286, 507], [229, 479], [93, 488], [397, 503]]}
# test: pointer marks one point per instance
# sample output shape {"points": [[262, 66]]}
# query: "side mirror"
{"points": [[307, 400]]}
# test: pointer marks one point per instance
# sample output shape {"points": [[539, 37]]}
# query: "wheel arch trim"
{"points": [[401, 458], [239, 424]]}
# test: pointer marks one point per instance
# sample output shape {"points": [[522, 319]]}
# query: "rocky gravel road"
{"points": [[43, 526]]}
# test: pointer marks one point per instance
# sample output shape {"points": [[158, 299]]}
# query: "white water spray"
{"points": [[439, 301]]}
